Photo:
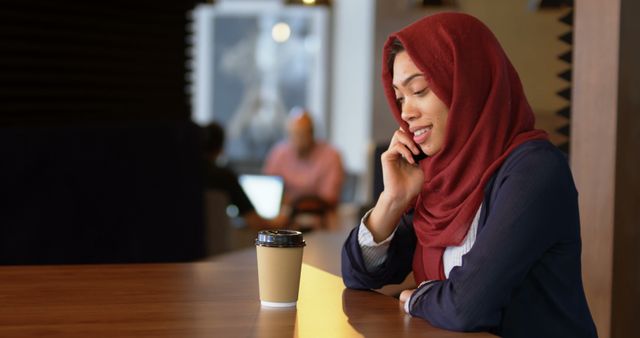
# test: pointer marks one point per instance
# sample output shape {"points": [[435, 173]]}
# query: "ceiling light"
{"points": [[280, 32]]}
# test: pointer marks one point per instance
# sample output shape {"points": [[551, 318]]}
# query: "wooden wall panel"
{"points": [[593, 146], [605, 143], [626, 261]]}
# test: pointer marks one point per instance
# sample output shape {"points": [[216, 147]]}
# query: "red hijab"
{"points": [[489, 116]]}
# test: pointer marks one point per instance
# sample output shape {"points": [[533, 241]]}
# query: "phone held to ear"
{"points": [[419, 157]]}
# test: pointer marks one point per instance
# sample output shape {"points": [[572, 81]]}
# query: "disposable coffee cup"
{"points": [[279, 263]]}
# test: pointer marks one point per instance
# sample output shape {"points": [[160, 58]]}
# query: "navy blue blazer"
{"points": [[522, 277]]}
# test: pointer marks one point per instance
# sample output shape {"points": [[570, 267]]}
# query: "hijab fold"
{"points": [[489, 116]]}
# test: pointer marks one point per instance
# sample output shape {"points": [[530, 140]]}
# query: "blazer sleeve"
{"points": [[533, 205], [393, 271]]}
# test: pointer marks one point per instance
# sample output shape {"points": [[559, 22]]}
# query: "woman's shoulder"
{"points": [[536, 162], [534, 167], [538, 156]]}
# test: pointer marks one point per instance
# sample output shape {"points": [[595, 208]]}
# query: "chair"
{"points": [[217, 224], [309, 213]]}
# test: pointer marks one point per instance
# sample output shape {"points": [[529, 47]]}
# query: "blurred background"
{"points": [[101, 104], [254, 61]]}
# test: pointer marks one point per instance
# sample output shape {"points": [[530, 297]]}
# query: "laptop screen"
{"points": [[265, 193]]}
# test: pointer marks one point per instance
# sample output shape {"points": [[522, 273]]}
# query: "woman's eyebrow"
{"points": [[408, 79]]}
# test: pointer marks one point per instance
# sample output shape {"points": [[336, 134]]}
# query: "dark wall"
{"points": [[74, 61], [99, 161]]}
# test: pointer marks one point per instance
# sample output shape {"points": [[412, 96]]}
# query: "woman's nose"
{"points": [[408, 113]]}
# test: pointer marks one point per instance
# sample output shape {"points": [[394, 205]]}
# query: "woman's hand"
{"points": [[402, 179], [406, 294], [404, 298], [401, 175]]}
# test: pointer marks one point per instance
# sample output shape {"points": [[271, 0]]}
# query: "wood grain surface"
{"points": [[217, 298]]}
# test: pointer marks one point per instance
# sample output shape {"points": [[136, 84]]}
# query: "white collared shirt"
{"points": [[375, 254]]}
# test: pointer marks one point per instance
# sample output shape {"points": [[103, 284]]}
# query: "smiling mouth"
{"points": [[421, 131], [422, 134]]}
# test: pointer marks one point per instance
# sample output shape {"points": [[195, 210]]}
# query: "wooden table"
{"points": [[217, 298]]}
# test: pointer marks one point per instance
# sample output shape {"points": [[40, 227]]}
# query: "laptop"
{"points": [[265, 193]]}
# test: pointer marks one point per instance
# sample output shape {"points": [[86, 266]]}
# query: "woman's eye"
{"points": [[400, 100], [421, 92]]}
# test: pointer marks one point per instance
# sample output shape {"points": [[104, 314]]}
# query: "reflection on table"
{"points": [[213, 298]]}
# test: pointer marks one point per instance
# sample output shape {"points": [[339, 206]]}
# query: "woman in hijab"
{"points": [[488, 221]]}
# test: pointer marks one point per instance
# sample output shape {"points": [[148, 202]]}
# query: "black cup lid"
{"points": [[280, 238]]}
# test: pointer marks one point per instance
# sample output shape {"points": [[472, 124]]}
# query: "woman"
{"points": [[488, 222]]}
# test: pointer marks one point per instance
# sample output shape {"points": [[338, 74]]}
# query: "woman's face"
{"points": [[425, 113]]}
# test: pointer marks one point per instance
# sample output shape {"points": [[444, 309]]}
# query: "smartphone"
{"points": [[419, 157]]}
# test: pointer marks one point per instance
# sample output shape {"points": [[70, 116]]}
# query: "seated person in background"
{"points": [[224, 179], [312, 172]]}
